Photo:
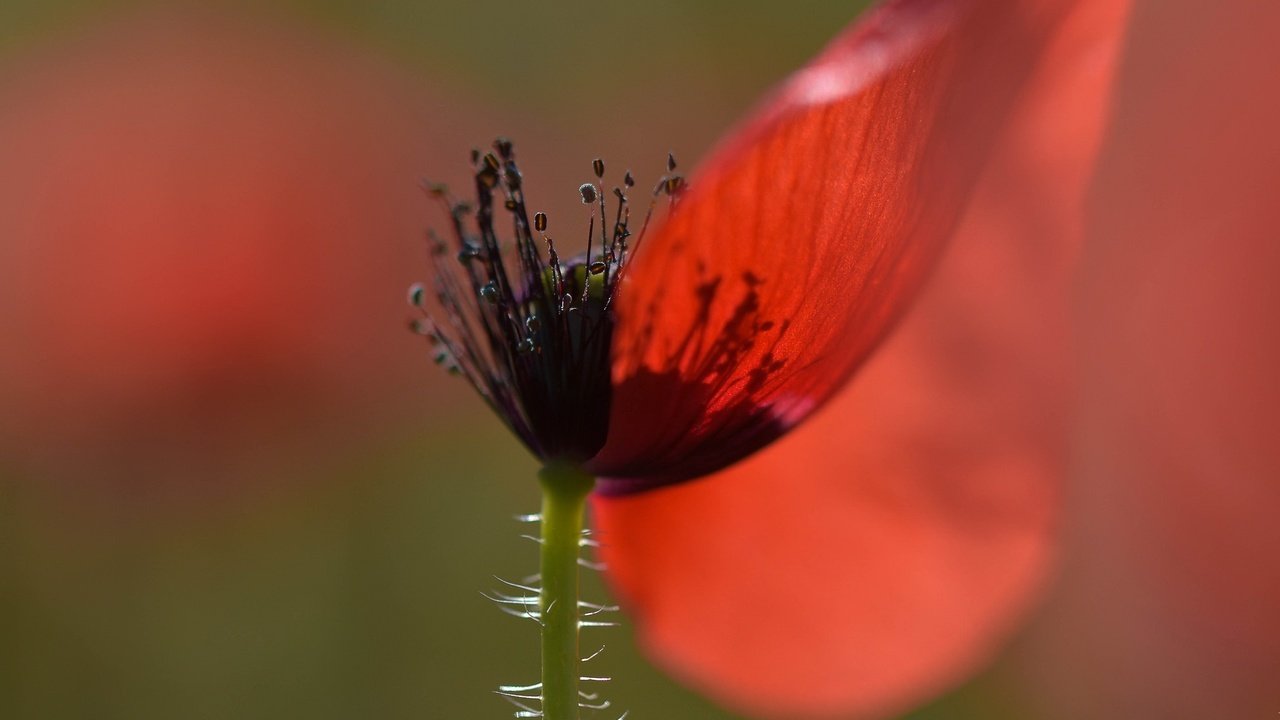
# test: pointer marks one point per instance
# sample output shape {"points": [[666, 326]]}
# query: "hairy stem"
{"points": [[564, 495]]}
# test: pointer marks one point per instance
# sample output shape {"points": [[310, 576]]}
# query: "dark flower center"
{"points": [[534, 339]]}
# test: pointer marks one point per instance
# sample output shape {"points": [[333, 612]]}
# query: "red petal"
{"points": [[807, 233], [882, 552], [1179, 458]]}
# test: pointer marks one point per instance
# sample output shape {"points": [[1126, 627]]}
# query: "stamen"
{"points": [[533, 336]]}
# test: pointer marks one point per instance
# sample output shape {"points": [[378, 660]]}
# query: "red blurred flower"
{"points": [[881, 553], [190, 207], [1170, 602]]}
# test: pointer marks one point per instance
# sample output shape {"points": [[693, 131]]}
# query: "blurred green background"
{"points": [[343, 579]]}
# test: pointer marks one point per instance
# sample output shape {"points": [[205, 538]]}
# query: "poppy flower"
{"points": [[186, 281], [879, 555]]}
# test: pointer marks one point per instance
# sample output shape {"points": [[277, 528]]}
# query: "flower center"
{"points": [[532, 336]]}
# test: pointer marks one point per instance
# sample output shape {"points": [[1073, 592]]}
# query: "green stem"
{"points": [[564, 495]]}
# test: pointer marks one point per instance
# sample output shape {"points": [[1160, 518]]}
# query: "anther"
{"points": [[628, 180], [468, 253], [597, 267], [598, 166], [588, 192], [503, 146], [540, 221], [671, 162], [491, 162], [417, 295], [489, 291]]}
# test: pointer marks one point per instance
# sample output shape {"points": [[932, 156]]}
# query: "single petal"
{"points": [[883, 551], [806, 234], [1172, 599], [201, 215]]}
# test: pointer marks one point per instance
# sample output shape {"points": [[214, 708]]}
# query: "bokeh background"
{"points": [[232, 484]]}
